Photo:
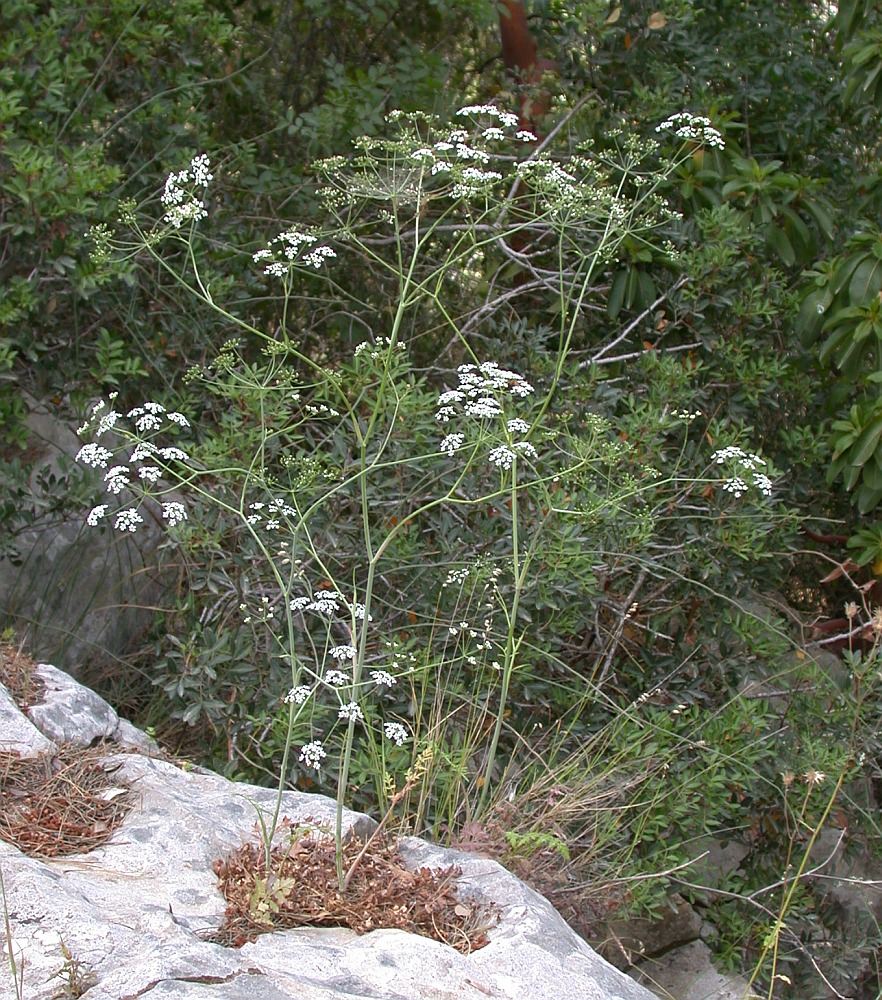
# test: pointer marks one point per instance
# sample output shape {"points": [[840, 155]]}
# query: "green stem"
{"points": [[511, 646]]}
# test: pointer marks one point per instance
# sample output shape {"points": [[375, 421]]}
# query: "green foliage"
{"points": [[670, 300]]}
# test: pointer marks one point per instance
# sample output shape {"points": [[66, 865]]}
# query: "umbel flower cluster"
{"points": [[141, 473], [182, 197], [477, 402], [746, 468], [334, 673]]}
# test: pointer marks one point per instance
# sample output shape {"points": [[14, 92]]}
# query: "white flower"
{"points": [[695, 128], [179, 196], [200, 166], [763, 484], [144, 450], [325, 602], [107, 422], [525, 448], [299, 603], [174, 512], [177, 418], [517, 426], [96, 513], [452, 443], [170, 454], [316, 257], [116, 479], [396, 732], [94, 455], [150, 473], [383, 678], [312, 754], [297, 695], [502, 457], [351, 712], [342, 652], [525, 136], [484, 408], [478, 109], [128, 520], [336, 678]]}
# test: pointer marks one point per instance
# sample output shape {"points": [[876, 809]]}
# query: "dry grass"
{"points": [[65, 801], [18, 676], [301, 890]]}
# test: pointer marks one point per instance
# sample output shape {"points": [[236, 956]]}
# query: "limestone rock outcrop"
{"points": [[128, 918]]}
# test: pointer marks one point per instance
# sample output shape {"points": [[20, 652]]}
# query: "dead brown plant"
{"points": [[18, 675], [301, 889]]}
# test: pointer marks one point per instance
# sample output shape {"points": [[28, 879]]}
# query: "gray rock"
{"points": [[17, 732], [131, 911], [688, 973], [81, 595], [627, 941]]}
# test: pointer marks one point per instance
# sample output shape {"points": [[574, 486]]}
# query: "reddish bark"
{"points": [[520, 55]]}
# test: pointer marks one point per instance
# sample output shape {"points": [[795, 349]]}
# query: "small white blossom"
{"points": [[94, 455], [484, 408], [351, 712], [107, 422], [316, 257], [342, 652], [116, 479], [452, 443], [312, 754], [178, 418], [395, 732], [502, 457], [517, 426], [143, 450], [325, 602], [128, 520], [174, 512], [695, 128], [336, 678], [297, 695], [180, 197], [383, 678], [525, 448], [478, 109], [96, 513], [172, 454], [150, 473]]}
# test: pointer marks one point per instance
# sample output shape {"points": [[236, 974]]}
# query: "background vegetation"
{"points": [[664, 693]]}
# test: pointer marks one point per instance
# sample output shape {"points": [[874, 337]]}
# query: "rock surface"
{"points": [[77, 595], [128, 914]]}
